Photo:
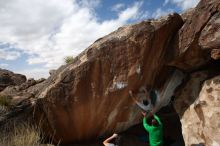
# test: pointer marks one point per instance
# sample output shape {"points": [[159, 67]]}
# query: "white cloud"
{"points": [[117, 7], [144, 15], [8, 54], [35, 73], [49, 31], [183, 4], [89, 3], [4, 65], [166, 2], [130, 13], [159, 12]]}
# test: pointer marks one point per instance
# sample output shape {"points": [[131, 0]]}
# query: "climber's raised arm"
{"points": [[140, 104]]}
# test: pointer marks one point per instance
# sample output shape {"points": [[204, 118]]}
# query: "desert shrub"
{"points": [[5, 100], [68, 59]]}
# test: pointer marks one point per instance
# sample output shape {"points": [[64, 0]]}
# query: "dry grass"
{"points": [[20, 135], [17, 130]]}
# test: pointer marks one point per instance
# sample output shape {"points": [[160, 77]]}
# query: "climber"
{"points": [[115, 137], [155, 130]]}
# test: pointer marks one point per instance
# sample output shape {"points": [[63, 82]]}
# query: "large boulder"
{"points": [[8, 78], [197, 51], [88, 98], [199, 110], [199, 37]]}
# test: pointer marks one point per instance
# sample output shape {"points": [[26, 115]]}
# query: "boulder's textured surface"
{"points": [[215, 54], [16, 102], [89, 98], [8, 78], [201, 120], [198, 36], [196, 46], [189, 92], [210, 34]]}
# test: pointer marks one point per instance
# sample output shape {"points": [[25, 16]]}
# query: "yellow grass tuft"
{"points": [[21, 135]]}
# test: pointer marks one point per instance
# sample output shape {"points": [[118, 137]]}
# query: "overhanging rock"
{"points": [[89, 98]]}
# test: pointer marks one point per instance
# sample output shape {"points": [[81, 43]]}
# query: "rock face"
{"points": [[197, 47], [200, 121], [26, 90], [8, 78], [16, 102], [89, 98], [198, 37]]}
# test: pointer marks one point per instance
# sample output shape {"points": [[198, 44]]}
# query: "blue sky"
{"points": [[36, 36]]}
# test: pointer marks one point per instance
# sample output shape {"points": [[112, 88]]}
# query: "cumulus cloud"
{"points": [[8, 54], [49, 31], [160, 12], [89, 3], [183, 4], [35, 73]]}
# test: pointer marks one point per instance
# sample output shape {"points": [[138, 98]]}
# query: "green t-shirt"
{"points": [[155, 133]]}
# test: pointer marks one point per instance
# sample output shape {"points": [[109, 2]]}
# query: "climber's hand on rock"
{"points": [[115, 135], [153, 110], [144, 113], [131, 93], [132, 96], [146, 92], [150, 114]]}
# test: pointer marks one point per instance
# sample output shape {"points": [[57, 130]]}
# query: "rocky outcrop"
{"points": [[26, 90], [91, 94], [199, 109], [16, 105], [198, 37], [197, 52], [8, 78], [16, 100]]}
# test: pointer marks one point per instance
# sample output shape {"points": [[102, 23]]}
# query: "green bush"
{"points": [[68, 59], [5, 100]]}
